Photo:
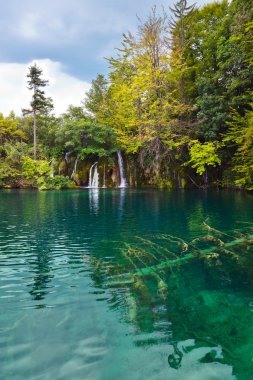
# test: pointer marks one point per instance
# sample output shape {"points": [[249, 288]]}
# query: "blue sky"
{"points": [[68, 38]]}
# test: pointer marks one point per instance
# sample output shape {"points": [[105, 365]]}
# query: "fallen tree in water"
{"points": [[163, 258]]}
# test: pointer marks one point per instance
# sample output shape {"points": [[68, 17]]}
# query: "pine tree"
{"points": [[178, 23], [180, 11], [39, 104]]}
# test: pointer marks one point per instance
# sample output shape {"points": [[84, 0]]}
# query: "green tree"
{"points": [[178, 25], [40, 105], [79, 135], [208, 25], [202, 156], [239, 140], [95, 97], [144, 101], [9, 129], [218, 52]]}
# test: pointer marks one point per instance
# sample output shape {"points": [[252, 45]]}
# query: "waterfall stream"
{"points": [[104, 185], [93, 176], [66, 158], [123, 181], [74, 169], [52, 169]]}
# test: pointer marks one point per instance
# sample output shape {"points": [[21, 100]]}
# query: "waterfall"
{"points": [[52, 169], [123, 181], [179, 181], [74, 169], [104, 185], [93, 176], [66, 158]]}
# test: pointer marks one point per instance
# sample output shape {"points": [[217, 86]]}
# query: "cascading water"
{"points": [[66, 158], [93, 176], [52, 169], [74, 169], [104, 185], [123, 181]]}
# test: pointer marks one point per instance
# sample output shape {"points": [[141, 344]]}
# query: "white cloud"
{"points": [[63, 88]]}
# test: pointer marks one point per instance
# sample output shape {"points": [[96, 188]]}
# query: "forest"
{"points": [[177, 104]]}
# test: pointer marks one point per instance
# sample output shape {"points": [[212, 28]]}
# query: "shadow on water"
{"points": [[175, 268]]}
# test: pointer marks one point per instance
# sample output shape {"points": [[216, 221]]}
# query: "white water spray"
{"points": [[123, 181], [74, 169], [93, 176], [66, 157], [52, 169], [104, 185]]}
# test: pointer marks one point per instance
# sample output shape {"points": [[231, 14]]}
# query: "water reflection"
{"points": [[94, 200], [121, 205], [42, 276]]}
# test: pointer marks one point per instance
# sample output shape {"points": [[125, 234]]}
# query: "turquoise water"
{"points": [[126, 284]]}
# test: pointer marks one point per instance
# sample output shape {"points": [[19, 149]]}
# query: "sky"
{"points": [[68, 39]]}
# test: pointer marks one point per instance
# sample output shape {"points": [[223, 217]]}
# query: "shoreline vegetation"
{"points": [[175, 111]]}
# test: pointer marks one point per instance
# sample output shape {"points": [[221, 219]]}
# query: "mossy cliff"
{"points": [[109, 173]]}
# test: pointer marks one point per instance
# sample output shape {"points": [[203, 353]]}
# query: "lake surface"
{"points": [[126, 285]]}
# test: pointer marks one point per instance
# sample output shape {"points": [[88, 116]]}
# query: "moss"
{"points": [[62, 167], [183, 183], [165, 184]]}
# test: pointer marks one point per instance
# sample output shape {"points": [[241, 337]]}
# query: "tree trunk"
{"points": [[34, 135]]}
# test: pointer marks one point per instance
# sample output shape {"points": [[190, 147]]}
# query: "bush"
{"points": [[57, 182], [33, 169]]}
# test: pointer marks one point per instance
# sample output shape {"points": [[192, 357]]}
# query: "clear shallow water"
{"points": [[82, 295]]}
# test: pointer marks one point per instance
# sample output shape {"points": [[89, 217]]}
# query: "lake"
{"points": [[126, 285]]}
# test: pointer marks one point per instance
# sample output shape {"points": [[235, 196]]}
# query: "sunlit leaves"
{"points": [[203, 155]]}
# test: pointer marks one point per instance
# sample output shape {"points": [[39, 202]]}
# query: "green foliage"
{"points": [[39, 171], [219, 52], [9, 129], [39, 103], [80, 135], [239, 139], [11, 152], [95, 97], [33, 169], [144, 100], [203, 155], [7, 172], [165, 184], [57, 182]]}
